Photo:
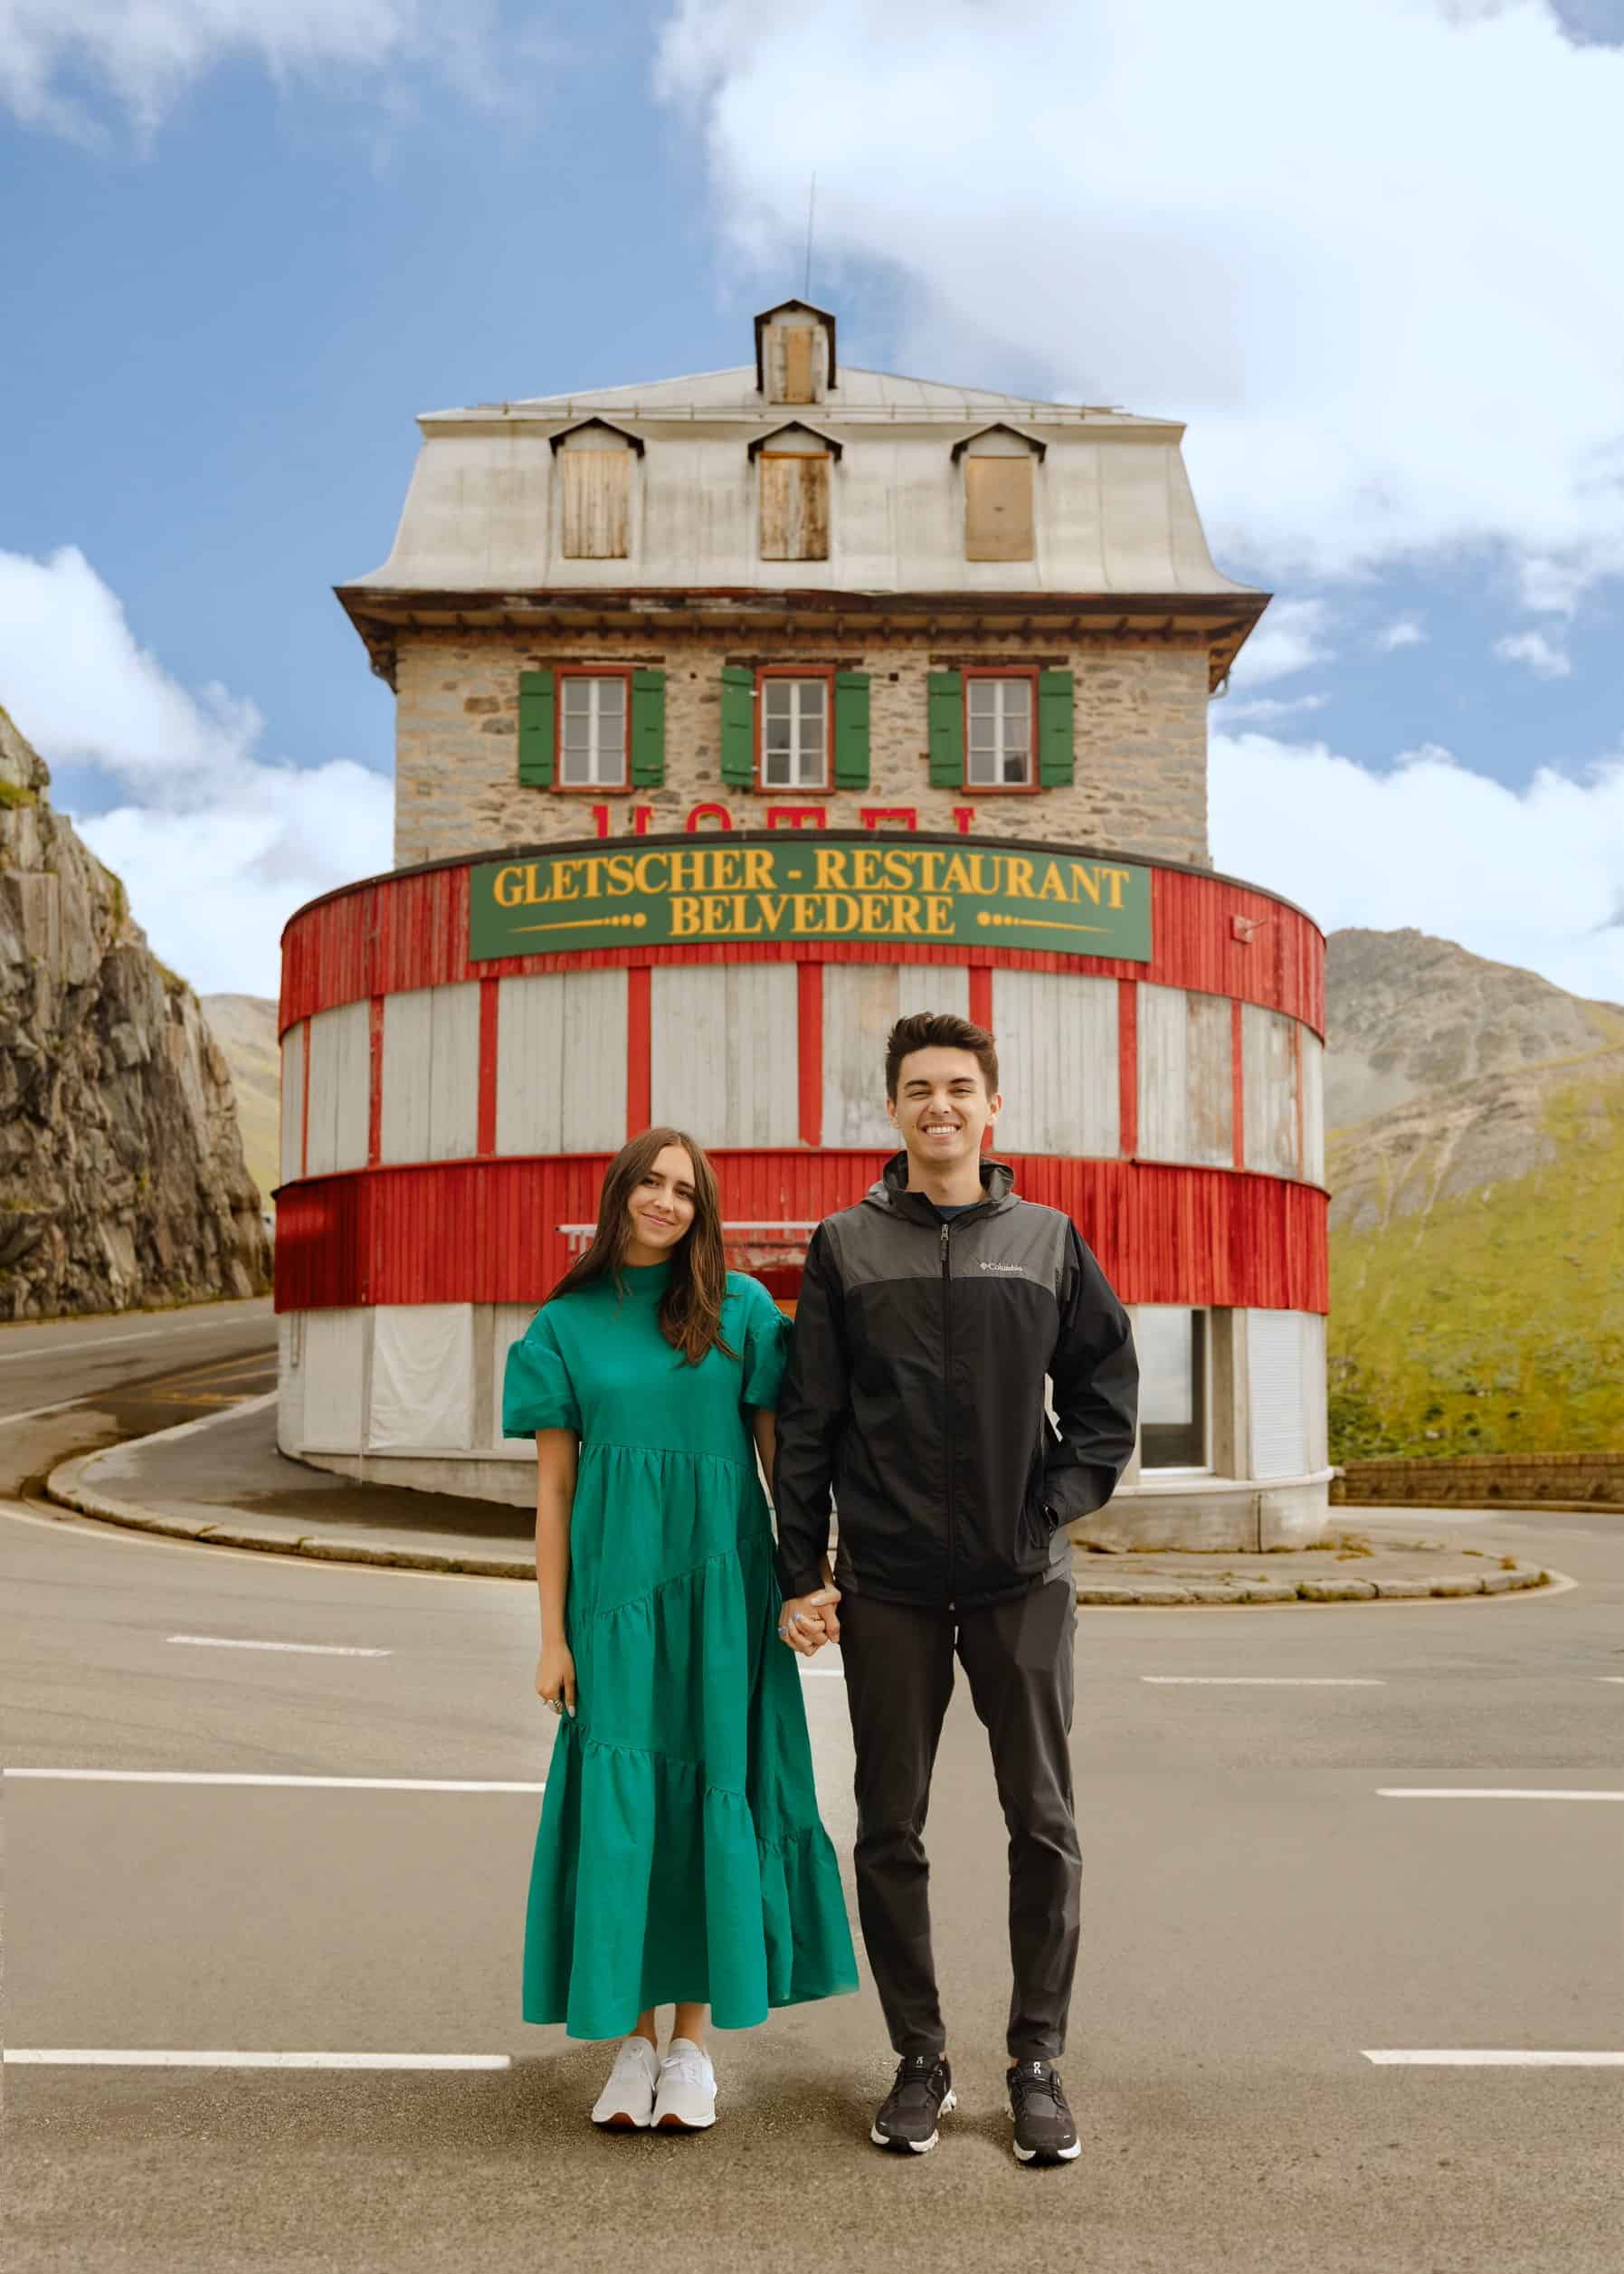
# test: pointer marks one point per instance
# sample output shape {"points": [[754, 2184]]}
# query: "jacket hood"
{"points": [[889, 1189]]}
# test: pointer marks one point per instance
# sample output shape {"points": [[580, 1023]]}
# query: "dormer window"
{"points": [[595, 463], [997, 469], [795, 465], [794, 353]]}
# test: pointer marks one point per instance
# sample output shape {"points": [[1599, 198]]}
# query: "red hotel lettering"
{"points": [[872, 816], [798, 816], [697, 814], [963, 816]]}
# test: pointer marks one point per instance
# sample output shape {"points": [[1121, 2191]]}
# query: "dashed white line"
{"points": [[1274, 1682], [1484, 1792], [123, 2057], [347, 1783], [239, 1642], [1479, 2056], [69, 1342]]}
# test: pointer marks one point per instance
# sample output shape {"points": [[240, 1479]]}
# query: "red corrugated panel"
{"points": [[412, 931], [486, 1231]]}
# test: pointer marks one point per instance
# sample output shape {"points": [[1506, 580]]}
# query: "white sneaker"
{"points": [[626, 2103], [687, 2099]]}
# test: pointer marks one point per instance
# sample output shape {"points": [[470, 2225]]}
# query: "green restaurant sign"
{"points": [[805, 887]]}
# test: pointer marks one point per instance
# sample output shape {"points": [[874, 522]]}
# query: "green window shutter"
{"points": [[946, 730], [535, 728], [738, 727], [852, 730], [1057, 750], [648, 729]]}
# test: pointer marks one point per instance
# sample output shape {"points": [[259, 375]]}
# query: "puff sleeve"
{"points": [[537, 1390], [766, 1347]]}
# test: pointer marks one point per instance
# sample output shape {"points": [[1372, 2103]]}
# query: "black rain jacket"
{"points": [[916, 1392]]}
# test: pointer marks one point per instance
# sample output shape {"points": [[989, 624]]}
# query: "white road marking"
{"points": [[1482, 1792], [1610, 1677], [139, 1334], [1274, 1682], [320, 1649], [1474, 2057], [120, 2056], [33, 1413], [214, 1776]]}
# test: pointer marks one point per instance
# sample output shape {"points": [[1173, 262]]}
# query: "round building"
{"points": [[738, 716]]}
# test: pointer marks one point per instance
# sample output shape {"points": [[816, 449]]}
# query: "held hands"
{"points": [[555, 1679], [807, 1622]]}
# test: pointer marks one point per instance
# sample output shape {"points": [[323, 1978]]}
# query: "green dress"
{"points": [[680, 1855]]}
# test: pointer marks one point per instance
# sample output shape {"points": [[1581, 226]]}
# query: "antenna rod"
{"points": [[811, 191]]}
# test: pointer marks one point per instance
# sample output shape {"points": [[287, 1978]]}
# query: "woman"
{"points": [[680, 1859]]}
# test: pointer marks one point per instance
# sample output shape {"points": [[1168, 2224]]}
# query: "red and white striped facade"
{"points": [[442, 1119]]}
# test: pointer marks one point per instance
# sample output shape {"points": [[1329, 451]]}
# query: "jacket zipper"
{"points": [[948, 1396]]}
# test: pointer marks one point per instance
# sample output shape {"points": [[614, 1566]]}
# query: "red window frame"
{"points": [[765, 672], [1028, 671], [561, 672]]}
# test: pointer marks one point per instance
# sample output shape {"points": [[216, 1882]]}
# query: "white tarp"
{"points": [[422, 1378]]}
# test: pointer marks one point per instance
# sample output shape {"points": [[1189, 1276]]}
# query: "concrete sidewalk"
{"points": [[222, 1482]]}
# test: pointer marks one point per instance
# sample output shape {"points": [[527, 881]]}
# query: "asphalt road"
{"points": [[1259, 1918]]}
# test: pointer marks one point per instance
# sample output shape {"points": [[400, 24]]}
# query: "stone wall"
{"points": [[1485, 1481], [121, 1176], [1141, 717]]}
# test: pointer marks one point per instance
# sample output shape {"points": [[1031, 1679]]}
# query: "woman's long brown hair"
{"points": [[690, 1310]]}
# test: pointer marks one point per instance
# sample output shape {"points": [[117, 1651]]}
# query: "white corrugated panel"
{"points": [[290, 1379], [1268, 1054], [529, 1064], [509, 1322], [1313, 1389], [1275, 1393], [339, 1073], [422, 1378], [724, 1062], [1186, 1094], [593, 1071], [1314, 1107], [861, 1003], [430, 1082], [1057, 1063], [293, 1101], [334, 1360], [454, 1072]]}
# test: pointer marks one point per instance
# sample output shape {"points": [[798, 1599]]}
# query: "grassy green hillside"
{"points": [[1493, 1319]]}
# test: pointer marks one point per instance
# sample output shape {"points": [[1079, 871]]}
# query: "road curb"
{"points": [[69, 1486]]}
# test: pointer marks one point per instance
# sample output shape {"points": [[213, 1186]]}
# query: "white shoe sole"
{"points": [[672, 2123], [620, 2120], [1043, 2155], [920, 2147]]}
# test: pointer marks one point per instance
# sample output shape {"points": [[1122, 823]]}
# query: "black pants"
{"points": [[1017, 1657]]}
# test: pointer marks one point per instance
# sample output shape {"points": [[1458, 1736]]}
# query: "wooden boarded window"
{"points": [[798, 364], [795, 505], [998, 508], [597, 504]]}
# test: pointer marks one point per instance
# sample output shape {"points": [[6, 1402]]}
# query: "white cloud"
{"points": [[1533, 877], [216, 846], [1291, 636], [1405, 632], [145, 55], [1265, 707], [1543, 658], [1383, 347]]}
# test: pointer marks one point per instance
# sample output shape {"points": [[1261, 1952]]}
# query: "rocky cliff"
{"points": [[122, 1181]]}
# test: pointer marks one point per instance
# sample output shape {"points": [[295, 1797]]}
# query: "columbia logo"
{"points": [[1014, 1268]]}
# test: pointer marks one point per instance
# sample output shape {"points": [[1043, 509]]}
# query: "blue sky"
{"points": [[248, 239]]}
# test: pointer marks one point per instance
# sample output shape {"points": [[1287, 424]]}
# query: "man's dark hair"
{"points": [[940, 1030]]}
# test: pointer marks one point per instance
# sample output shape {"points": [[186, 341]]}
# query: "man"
{"points": [[928, 1317]]}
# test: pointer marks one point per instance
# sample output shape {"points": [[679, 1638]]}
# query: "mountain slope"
{"points": [[1477, 1211], [244, 1026]]}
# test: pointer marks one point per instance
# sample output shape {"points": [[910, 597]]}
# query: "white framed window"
{"points": [[592, 731], [998, 732], [1172, 1342], [795, 734]]}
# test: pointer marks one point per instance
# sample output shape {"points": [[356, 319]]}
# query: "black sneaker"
{"points": [[921, 2092], [1044, 2132]]}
